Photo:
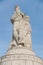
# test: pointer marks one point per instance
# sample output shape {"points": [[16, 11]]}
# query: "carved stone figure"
{"points": [[21, 29]]}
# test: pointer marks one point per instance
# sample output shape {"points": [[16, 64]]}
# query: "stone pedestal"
{"points": [[21, 56]]}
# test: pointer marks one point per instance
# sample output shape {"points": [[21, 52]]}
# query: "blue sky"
{"points": [[32, 8]]}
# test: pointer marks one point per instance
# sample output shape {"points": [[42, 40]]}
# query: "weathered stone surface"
{"points": [[21, 29], [20, 56], [20, 50], [22, 59]]}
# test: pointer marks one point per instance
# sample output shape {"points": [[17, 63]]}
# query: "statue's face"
{"points": [[17, 9]]}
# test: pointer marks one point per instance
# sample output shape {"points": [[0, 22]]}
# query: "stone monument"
{"points": [[20, 50], [21, 29]]}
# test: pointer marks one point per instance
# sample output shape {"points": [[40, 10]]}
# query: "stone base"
{"points": [[20, 50], [21, 56]]}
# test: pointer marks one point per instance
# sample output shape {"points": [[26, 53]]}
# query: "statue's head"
{"points": [[17, 8]]}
